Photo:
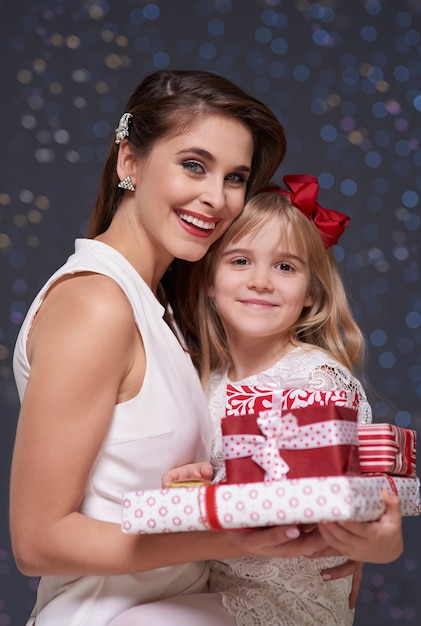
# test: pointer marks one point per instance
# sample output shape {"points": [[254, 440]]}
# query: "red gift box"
{"points": [[387, 448], [250, 399], [308, 442]]}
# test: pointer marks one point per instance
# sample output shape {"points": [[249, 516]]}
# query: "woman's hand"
{"points": [[379, 541], [283, 542]]}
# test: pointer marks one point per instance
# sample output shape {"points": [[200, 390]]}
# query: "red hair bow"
{"points": [[304, 189]]}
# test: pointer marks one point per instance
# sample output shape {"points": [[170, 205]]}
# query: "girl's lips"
{"points": [[258, 303], [195, 224]]}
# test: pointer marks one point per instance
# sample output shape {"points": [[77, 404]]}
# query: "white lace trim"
{"points": [[283, 592]]}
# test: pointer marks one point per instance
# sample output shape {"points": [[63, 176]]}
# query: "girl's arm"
{"points": [[191, 471]]}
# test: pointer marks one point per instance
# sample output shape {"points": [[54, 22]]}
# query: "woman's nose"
{"points": [[213, 195]]}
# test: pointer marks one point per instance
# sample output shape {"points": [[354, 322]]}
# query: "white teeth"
{"points": [[196, 222]]}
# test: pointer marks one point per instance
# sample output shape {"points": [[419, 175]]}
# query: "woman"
{"points": [[110, 401]]}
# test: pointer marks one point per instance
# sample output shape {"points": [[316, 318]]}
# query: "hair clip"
{"points": [[122, 129]]}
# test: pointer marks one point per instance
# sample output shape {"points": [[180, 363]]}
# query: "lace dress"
{"points": [[284, 592]]}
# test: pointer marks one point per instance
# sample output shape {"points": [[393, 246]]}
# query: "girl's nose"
{"points": [[260, 280]]}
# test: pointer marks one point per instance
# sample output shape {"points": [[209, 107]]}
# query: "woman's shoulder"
{"points": [[83, 305], [90, 293]]}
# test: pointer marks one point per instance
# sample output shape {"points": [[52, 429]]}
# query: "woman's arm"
{"points": [[86, 356]]}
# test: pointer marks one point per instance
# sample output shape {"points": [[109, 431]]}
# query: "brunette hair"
{"points": [[328, 323], [169, 102]]}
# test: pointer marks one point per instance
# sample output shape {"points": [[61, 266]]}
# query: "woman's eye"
{"points": [[193, 166], [235, 178]]}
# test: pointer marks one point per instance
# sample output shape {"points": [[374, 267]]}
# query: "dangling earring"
{"points": [[127, 184]]}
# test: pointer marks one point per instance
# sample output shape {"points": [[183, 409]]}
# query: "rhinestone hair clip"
{"points": [[122, 129]]}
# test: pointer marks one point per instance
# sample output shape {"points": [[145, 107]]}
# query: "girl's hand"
{"points": [[349, 568], [191, 471], [371, 542]]}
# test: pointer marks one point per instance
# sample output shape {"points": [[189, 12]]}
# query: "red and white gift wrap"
{"points": [[251, 399], [387, 448], [238, 507], [302, 434]]}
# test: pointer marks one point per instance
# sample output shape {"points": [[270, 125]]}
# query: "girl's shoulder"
{"points": [[299, 362], [309, 367]]}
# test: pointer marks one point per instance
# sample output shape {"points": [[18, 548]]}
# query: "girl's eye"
{"points": [[193, 166], [240, 261], [285, 267]]}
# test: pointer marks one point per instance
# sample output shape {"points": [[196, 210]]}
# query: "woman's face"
{"points": [[192, 186]]}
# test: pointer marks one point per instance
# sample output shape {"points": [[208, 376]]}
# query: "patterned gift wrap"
{"points": [[387, 448], [239, 507], [310, 440], [251, 399]]}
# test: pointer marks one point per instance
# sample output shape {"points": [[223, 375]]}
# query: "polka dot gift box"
{"points": [[251, 505]]}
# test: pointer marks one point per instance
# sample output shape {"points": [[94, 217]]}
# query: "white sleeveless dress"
{"points": [[166, 425], [283, 592]]}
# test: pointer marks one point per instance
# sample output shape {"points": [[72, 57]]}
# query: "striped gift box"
{"points": [[387, 448]]}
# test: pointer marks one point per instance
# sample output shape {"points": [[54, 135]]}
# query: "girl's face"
{"points": [[261, 286], [191, 187]]}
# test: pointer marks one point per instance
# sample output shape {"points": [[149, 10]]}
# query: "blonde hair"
{"points": [[328, 323]]}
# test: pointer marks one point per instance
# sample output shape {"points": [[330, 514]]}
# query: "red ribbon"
{"points": [[304, 189], [211, 508]]}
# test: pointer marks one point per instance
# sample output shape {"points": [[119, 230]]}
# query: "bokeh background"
{"points": [[344, 78]]}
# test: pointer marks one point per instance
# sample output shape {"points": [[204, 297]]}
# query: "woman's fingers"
{"points": [[283, 542]]}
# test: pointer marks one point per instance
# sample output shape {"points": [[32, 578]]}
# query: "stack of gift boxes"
{"points": [[291, 456]]}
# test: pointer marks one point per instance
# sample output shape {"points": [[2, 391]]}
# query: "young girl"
{"points": [[110, 400], [270, 307]]}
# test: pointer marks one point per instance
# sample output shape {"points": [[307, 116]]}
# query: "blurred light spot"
{"points": [[279, 46], [410, 198], [328, 133], [349, 187], [373, 159], [207, 51], [401, 253], [61, 136], [378, 338], [161, 60], [301, 73], [263, 35], [403, 419], [413, 320], [216, 28], [151, 11]]}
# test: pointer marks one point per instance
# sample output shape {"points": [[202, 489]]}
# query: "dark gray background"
{"points": [[343, 76]]}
